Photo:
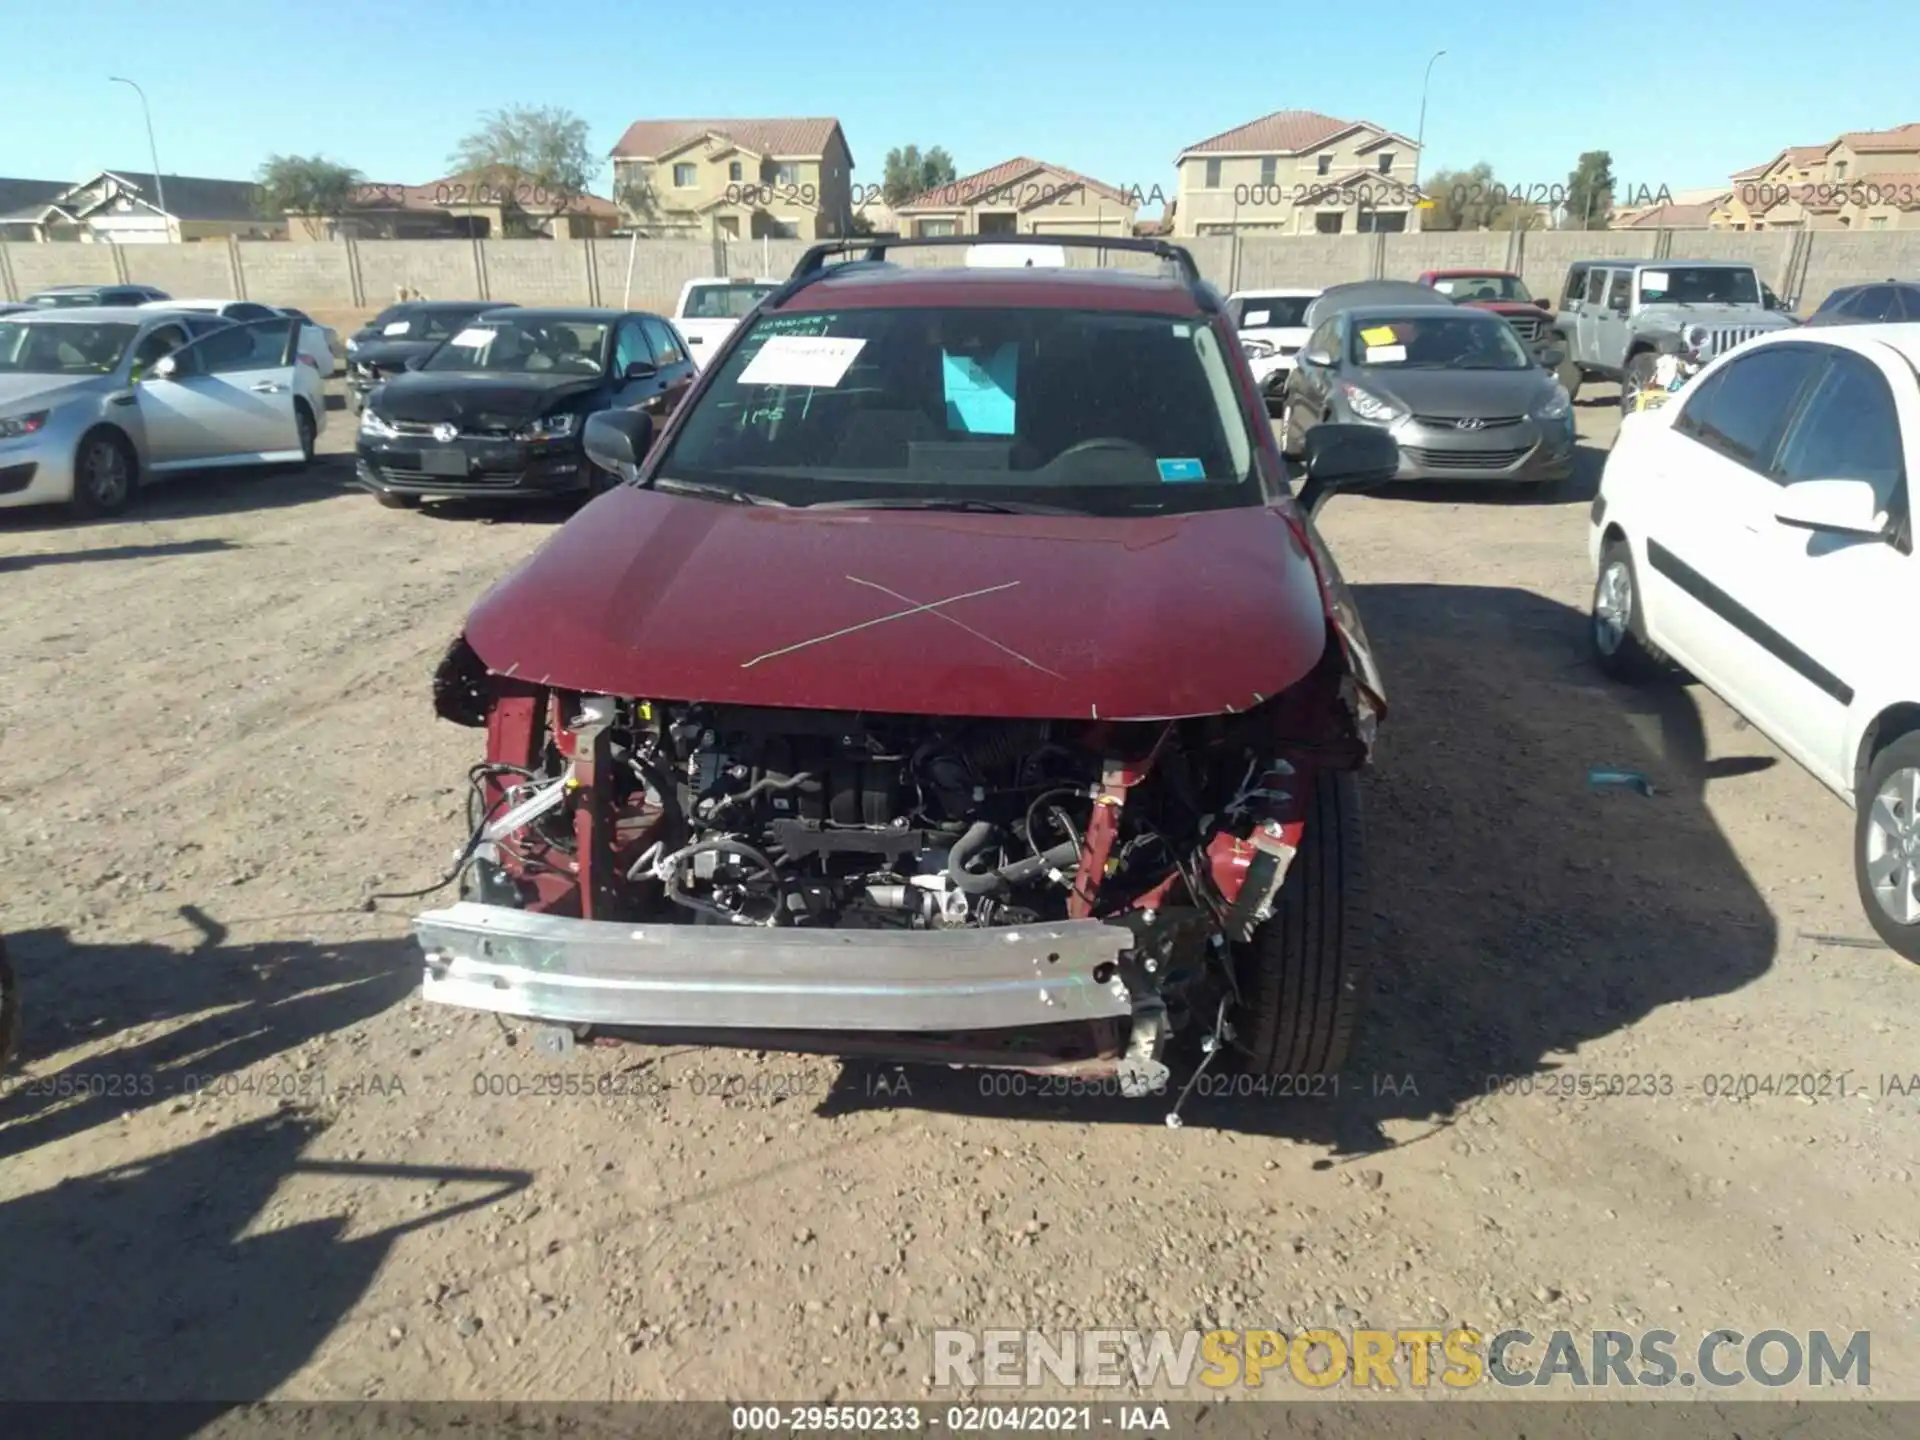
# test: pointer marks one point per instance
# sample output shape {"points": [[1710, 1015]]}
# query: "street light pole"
{"points": [[153, 151], [1420, 135]]}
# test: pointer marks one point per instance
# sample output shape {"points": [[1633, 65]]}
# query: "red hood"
{"points": [[671, 598]]}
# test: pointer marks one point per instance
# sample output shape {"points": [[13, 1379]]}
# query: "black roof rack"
{"points": [[873, 250]]}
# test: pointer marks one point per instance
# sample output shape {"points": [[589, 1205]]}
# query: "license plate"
{"points": [[444, 462]]}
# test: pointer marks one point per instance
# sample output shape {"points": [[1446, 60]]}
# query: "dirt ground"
{"points": [[240, 1158]]}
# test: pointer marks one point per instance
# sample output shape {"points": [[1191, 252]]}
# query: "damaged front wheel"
{"points": [[1303, 977]]}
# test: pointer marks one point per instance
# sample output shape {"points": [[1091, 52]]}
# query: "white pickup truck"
{"points": [[711, 306]]}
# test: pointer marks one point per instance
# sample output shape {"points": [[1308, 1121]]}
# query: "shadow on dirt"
{"points": [[9, 563], [204, 493], [1520, 915], [165, 1279], [170, 1278], [178, 1022]]}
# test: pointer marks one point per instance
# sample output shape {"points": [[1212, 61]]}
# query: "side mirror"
{"points": [[1346, 457], [641, 370], [618, 440], [1832, 507], [1316, 357], [1551, 357], [414, 362], [1544, 303]]}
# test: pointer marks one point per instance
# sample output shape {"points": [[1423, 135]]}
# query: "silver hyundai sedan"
{"points": [[96, 402]]}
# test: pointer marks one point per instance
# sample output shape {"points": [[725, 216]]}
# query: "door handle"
{"points": [[266, 387]]}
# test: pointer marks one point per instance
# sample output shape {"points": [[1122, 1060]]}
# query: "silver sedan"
{"points": [[96, 402]]}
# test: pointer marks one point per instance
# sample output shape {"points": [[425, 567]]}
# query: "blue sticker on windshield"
{"points": [[1171, 470], [980, 394]]}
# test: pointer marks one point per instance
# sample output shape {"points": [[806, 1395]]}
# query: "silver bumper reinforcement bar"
{"points": [[609, 973]]}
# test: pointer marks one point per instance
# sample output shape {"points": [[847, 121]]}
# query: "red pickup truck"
{"points": [[1500, 291]]}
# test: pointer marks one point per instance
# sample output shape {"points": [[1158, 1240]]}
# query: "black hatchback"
{"points": [[404, 333], [498, 408], [1879, 302]]}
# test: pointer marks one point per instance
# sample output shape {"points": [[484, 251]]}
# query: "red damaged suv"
{"points": [[1501, 291], [955, 678]]}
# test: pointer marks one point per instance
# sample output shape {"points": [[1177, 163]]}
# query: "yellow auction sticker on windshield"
{"points": [[1378, 335]]}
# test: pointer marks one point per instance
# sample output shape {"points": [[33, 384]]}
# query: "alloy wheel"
{"points": [[1612, 608], [105, 475], [1893, 846]]}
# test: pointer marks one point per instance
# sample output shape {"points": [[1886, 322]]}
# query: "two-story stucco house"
{"points": [[1020, 196], [735, 179], [1296, 172], [1863, 180]]}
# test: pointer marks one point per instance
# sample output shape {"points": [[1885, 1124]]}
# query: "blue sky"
{"points": [[1680, 93]]}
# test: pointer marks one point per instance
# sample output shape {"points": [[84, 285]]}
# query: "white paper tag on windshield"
{"points": [[1386, 354], [1255, 317], [398, 327], [1653, 279], [473, 339], [816, 360]]}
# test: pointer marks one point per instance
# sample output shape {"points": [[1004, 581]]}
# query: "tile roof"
{"points": [[969, 189], [781, 135], [1901, 139], [1284, 132]]}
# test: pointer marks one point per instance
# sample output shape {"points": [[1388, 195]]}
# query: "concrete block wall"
{"points": [[362, 276], [35, 267], [438, 269], [313, 276], [536, 272], [658, 268], [202, 270]]}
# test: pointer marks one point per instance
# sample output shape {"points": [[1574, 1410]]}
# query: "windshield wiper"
{"points": [[714, 492], [945, 502]]}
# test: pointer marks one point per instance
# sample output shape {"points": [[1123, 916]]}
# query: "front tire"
{"points": [[105, 471], [1886, 845], [309, 433], [1303, 977], [1617, 627], [1639, 377]]}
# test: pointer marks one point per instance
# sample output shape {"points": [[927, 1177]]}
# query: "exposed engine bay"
{"points": [[755, 819]]}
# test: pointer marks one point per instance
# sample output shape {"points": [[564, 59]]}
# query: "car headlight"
{"points": [[547, 427], [372, 422], [1257, 349], [1369, 406], [1557, 405], [12, 427]]}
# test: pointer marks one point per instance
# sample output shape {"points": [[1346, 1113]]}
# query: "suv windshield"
{"points": [[1436, 340], [59, 349], [724, 302], [1483, 287], [1700, 285], [1254, 312], [1097, 412], [523, 346]]}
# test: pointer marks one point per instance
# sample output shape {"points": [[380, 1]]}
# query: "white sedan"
{"points": [[1758, 531], [1272, 330]]}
